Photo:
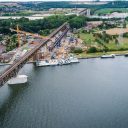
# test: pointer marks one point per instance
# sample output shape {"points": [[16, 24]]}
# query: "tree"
{"points": [[77, 22], [11, 43], [92, 50], [116, 41], [124, 25], [76, 50], [78, 35]]}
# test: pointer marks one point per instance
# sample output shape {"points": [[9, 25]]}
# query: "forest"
{"points": [[41, 26]]}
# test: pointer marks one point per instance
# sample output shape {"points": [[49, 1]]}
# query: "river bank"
{"points": [[99, 54], [88, 55]]}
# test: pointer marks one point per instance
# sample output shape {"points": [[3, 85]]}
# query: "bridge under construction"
{"points": [[14, 68]]}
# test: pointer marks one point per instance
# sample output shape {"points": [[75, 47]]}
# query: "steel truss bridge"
{"points": [[13, 69]]}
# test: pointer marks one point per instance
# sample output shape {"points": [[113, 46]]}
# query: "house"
{"points": [[6, 57]]}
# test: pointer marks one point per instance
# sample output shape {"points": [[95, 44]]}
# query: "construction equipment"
{"points": [[18, 35], [26, 33], [19, 32]]}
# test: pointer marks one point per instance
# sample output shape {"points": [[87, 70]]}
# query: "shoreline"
{"points": [[99, 54], [86, 56]]}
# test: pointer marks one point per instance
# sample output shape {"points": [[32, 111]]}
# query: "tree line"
{"points": [[47, 5], [41, 26]]}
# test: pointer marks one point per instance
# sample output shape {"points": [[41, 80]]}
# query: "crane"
{"points": [[26, 33]]}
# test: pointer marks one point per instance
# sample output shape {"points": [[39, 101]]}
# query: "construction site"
{"points": [[51, 51]]}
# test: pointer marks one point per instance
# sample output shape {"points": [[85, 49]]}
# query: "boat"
{"points": [[60, 61], [53, 62], [64, 61], [126, 55], [73, 59], [67, 61], [108, 56], [42, 63], [20, 79]]}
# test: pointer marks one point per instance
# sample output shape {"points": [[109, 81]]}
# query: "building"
{"points": [[6, 57], [2, 49], [92, 24]]}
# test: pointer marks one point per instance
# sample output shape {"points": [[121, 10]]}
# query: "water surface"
{"points": [[91, 94]]}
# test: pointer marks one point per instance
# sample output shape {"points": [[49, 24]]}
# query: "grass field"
{"points": [[110, 10], [116, 31], [89, 40], [20, 13], [98, 54]]}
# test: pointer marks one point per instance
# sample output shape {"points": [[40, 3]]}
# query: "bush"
{"points": [[125, 35], [44, 32], [84, 31], [92, 50], [77, 22], [76, 50], [123, 49]]}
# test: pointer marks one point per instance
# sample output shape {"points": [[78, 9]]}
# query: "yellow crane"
{"points": [[26, 33], [18, 35]]}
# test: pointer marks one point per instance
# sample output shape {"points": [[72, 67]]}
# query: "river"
{"points": [[91, 94]]}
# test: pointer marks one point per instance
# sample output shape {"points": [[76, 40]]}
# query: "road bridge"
{"points": [[13, 69], [85, 12]]}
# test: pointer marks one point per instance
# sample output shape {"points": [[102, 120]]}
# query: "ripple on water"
{"points": [[91, 94]]}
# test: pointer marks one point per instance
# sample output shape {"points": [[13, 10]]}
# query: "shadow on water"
{"points": [[92, 94], [11, 94], [5, 107]]}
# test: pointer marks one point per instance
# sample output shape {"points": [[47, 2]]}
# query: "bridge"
{"points": [[13, 69], [85, 12]]}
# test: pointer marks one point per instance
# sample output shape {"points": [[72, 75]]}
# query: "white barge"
{"points": [[54, 62], [108, 56]]}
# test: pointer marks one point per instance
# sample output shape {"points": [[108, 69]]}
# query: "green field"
{"points": [[98, 54], [21, 13], [89, 40], [122, 45], [110, 10]]}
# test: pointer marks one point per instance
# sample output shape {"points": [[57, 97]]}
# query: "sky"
{"points": [[47, 0]]}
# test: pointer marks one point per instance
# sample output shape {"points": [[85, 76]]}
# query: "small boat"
{"points": [[20, 79], [126, 55], [108, 56], [73, 59], [42, 63]]}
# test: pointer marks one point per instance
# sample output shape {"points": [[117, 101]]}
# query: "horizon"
{"points": [[56, 0]]}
